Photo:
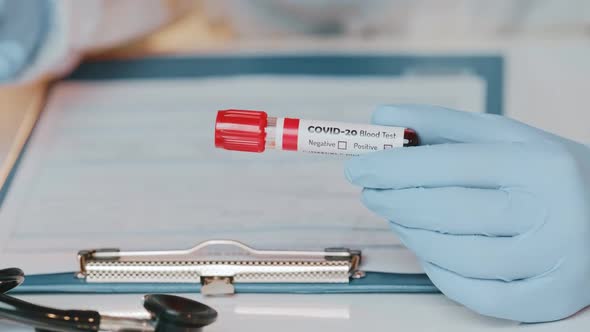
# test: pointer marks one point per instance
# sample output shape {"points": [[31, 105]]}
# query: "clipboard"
{"points": [[235, 268], [489, 68]]}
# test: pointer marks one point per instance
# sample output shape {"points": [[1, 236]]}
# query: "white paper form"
{"points": [[132, 164]]}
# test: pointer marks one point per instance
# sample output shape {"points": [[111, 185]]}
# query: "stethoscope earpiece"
{"points": [[175, 313]]}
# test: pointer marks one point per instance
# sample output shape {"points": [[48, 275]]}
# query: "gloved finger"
{"points": [[539, 299], [458, 210], [482, 257], [12, 58], [461, 165], [437, 125]]}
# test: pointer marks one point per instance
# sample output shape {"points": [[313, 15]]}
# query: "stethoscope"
{"points": [[169, 313]]}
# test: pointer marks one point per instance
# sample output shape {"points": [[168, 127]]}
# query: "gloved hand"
{"points": [[23, 25], [41, 39], [498, 212]]}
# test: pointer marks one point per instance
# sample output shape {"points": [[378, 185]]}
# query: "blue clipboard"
{"points": [[490, 68]]}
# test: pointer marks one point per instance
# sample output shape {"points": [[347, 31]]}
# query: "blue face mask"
{"points": [[23, 25]]}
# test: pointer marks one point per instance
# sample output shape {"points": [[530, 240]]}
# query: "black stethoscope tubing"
{"points": [[169, 313]]}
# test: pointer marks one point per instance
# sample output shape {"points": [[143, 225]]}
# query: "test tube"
{"points": [[255, 131]]}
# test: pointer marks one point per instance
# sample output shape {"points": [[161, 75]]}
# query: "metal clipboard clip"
{"points": [[218, 265]]}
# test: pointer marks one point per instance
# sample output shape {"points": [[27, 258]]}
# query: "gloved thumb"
{"points": [[439, 125]]}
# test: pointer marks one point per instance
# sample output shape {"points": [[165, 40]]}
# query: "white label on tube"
{"points": [[346, 138], [279, 133]]}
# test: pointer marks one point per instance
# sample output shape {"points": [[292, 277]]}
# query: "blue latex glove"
{"points": [[23, 27], [498, 212]]}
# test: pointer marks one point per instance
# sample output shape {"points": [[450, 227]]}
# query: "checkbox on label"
{"points": [[342, 145], [387, 146]]}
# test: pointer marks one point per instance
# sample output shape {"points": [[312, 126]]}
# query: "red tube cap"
{"points": [[241, 130]]}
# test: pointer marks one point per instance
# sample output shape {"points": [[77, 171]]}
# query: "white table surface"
{"points": [[338, 313]]}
